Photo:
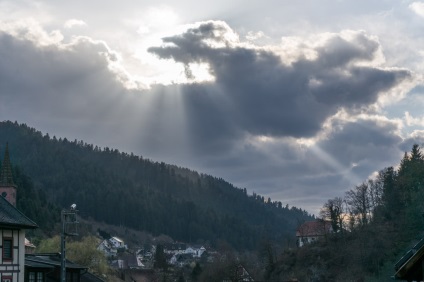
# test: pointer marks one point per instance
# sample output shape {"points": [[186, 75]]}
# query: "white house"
{"points": [[117, 243], [195, 251], [312, 231], [108, 249], [180, 251]]}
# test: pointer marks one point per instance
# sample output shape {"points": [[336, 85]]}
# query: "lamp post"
{"points": [[69, 228]]}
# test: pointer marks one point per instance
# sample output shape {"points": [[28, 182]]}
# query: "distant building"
{"points": [[312, 231], [111, 246], [180, 254], [108, 249], [29, 247], [117, 243], [239, 273]]}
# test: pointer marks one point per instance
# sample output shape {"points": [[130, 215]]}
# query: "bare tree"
{"points": [[359, 202], [376, 190], [334, 210]]}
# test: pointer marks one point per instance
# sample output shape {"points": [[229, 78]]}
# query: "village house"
{"points": [[117, 243], [13, 224], [181, 254], [108, 249], [239, 274], [29, 247], [180, 248], [312, 231], [195, 251]]}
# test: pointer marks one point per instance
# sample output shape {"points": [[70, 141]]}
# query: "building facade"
{"points": [[13, 224]]}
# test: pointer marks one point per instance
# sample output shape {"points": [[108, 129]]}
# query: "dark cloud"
{"points": [[417, 138], [299, 175], [263, 96], [66, 90], [363, 139]]}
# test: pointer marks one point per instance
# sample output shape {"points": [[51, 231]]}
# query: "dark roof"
{"points": [[89, 277], [6, 178], [11, 217], [50, 259], [35, 264], [410, 266]]}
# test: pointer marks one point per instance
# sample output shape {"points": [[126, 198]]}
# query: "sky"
{"points": [[298, 101]]}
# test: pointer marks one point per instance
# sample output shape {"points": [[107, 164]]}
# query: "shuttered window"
{"points": [[7, 249]]}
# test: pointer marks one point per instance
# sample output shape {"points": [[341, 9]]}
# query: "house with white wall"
{"points": [[107, 248], [312, 231], [117, 243], [13, 225]]}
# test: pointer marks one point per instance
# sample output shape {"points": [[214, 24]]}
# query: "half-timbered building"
{"points": [[13, 224]]}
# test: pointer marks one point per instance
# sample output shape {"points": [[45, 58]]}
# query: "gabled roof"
{"points": [[117, 239], [314, 228], [11, 217], [410, 266], [89, 277], [6, 178]]}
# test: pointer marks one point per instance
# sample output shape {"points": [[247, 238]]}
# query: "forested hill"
{"points": [[123, 189]]}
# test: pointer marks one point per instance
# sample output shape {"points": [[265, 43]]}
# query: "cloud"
{"points": [[416, 137], [418, 8], [67, 82], [411, 121], [262, 96], [74, 22]]}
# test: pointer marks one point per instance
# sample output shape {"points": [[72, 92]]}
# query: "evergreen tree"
{"points": [[160, 258]]}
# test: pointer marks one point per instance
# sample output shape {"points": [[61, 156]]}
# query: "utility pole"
{"points": [[69, 228]]}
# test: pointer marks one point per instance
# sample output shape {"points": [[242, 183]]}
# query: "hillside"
{"points": [[378, 220], [127, 190]]}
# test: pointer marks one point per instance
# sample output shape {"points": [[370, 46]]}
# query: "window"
{"points": [[7, 248], [35, 277], [31, 277], [6, 279]]}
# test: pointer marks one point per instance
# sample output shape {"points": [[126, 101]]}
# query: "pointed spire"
{"points": [[6, 178]]}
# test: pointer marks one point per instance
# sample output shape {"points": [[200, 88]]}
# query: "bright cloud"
{"points": [[418, 8], [74, 22]]}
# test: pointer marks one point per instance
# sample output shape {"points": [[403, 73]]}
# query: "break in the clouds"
{"points": [[298, 121]]}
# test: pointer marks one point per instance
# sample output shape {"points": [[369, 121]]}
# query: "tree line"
{"points": [[124, 189], [374, 224]]}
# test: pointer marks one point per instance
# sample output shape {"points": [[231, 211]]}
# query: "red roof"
{"points": [[314, 228]]}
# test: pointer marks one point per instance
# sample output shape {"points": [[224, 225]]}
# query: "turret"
{"points": [[7, 186]]}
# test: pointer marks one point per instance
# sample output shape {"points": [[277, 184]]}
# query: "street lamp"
{"points": [[69, 228]]}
